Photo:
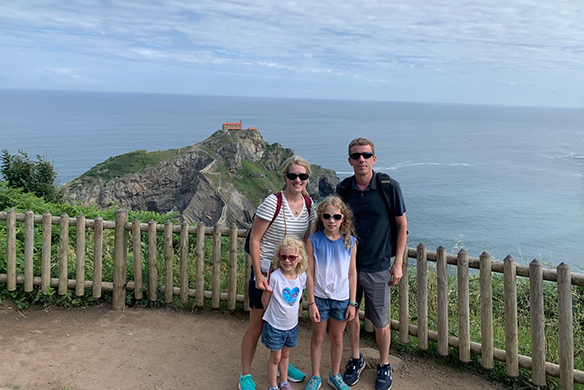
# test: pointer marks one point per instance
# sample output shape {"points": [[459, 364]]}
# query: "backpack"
{"points": [[279, 196], [383, 182]]}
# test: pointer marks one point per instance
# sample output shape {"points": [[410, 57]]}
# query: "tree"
{"points": [[37, 177]]}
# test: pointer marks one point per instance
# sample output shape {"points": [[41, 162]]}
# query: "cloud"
{"points": [[490, 41], [69, 74]]}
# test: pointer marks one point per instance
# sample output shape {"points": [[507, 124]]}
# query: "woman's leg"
{"points": [[250, 339], [336, 330]]}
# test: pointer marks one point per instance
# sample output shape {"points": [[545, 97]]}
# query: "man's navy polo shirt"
{"points": [[372, 224]]}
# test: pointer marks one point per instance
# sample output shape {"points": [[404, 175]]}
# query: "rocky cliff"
{"points": [[220, 180]]}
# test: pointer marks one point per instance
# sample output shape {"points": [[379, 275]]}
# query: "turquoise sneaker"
{"points": [[246, 383], [337, 382], [294, 374], [314, 383]]}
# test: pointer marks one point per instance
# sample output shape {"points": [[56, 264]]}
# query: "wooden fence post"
{"points": [[463, 307], [11, 249], [200, 266], [63, 253], [184, 263], [137, 253], [28, 250], [80, 257], [422, 273], [120, 257], [152, 263], [97, 256], [168, 263], [511, 332], [486, 283], [232, 288], [442, 275], [404, 307], [216, 281], [566, 326], [46, 253], [538, 375]]}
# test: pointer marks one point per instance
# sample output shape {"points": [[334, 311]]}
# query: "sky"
{"points": [[503, 52]]}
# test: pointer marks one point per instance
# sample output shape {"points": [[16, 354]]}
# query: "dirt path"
{"points": [[96, 348]]}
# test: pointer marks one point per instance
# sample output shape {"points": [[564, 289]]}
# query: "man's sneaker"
{"points": [[337, 382], [294, 374], [353, 370], [314, 383], [246, 383], [285, 386], [384, 380]]}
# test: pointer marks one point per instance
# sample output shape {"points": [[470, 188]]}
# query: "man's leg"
{"points": [[383, 338]]}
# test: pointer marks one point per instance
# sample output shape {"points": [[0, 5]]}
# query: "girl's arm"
{"points": [[352, 311], [266, 298], [258, 229], [312, 309]]}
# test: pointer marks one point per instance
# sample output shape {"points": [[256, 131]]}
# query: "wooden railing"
{"points": [[187, 258]]}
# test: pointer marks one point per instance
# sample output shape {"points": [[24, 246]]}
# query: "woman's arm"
{"points": [[258, 229]]}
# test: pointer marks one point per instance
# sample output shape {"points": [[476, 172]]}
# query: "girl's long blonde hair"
{"points": [[296, 244], [347, 229]]}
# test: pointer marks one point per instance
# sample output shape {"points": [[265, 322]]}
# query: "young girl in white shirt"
{"points": [[280, 330], [331, 285]]}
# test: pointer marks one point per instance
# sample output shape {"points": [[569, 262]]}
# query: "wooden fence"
{"points": [[179, 256]]}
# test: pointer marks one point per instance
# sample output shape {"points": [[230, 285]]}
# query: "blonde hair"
{"points": [[298, 246], [347, 229], [361, 142], [295, 160]]}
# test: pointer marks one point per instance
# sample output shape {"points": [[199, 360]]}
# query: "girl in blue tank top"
{"points": [[331, 285]]}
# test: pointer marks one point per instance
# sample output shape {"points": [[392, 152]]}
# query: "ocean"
{"points": [[506, 180]]}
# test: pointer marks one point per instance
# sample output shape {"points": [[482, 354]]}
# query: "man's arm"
{"points": [[401, 224]]}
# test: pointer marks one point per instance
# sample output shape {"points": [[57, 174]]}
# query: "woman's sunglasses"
{"points": [[291, 258], [356, 156], [337, 217], [293, 176]]}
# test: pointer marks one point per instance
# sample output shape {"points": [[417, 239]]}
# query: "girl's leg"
{"points": [[336, 336], [273, 362], [318, 336], [283, 364], [250, 339]]}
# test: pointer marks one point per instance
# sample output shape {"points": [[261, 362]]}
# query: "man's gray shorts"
{"points": [[375, 285]]}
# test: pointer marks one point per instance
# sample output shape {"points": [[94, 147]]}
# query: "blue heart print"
{"points": [[291, 296]]}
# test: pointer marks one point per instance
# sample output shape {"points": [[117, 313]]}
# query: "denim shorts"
{"points": [[330, 308], [274, 339]]}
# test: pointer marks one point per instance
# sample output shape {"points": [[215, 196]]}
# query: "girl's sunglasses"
{"points": [[337, 217], [293, 176], [291, 258], [356, 156]]}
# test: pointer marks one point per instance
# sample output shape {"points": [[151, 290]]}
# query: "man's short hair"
{"points": [[361, 141]]}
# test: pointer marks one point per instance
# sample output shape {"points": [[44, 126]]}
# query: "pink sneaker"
{"points": [[285, 386]]}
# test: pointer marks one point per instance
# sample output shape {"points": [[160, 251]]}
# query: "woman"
{"points": [[293, 219]]}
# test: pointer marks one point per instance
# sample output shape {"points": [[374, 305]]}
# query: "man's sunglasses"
{"points": [[357, 156], [337, 217], [291, 258], [293, 176]]}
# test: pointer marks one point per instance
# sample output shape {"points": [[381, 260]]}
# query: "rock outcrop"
{"points": [[218, 181]]}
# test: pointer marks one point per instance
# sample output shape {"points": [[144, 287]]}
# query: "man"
{"points": [[380, 214]]}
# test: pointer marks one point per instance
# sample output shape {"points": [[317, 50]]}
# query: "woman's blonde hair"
{"points": [[347, 229], [295, 160], [296, 244]]}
